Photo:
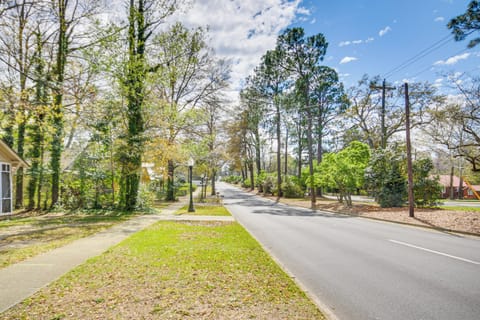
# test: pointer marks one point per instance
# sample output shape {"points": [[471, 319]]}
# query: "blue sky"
{"points": [[365, 36], [385, 37]]}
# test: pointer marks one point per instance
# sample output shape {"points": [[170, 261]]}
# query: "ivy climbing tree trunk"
{"points": [[23, 66], [56, 146], [135, 83], [170, 181], [144, 16], [36, 129]]}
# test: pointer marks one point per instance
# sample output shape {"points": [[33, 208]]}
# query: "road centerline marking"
{"points": [[433, 251]]}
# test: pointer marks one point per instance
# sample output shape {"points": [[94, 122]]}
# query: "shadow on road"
{"points": [[266, 206]]}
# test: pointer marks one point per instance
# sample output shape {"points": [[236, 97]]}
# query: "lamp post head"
{"points": [[191, 162]]}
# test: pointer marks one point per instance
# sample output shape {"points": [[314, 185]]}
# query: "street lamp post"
{"points": [[191, 162]]}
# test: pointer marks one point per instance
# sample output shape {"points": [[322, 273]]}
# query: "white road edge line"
{"points": [[433, 251]]}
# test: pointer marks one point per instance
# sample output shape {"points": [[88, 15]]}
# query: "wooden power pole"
{"points": [[409, 154], [383, 129]]}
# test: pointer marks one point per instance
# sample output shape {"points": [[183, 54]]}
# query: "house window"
{"points": [[470, 192], [5, 188]]}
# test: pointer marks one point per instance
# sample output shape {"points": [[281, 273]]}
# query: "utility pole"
{"points": [[409, 154], [383, 128]]}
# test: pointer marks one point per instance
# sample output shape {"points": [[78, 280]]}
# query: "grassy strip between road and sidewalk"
{"points": [[174, 270], [205, 210], [460, 208]]}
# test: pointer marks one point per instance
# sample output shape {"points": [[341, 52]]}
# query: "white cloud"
{"points": [[347, 60], [303, 11], [438, 82], [243, 30], [384, 31], [347, 43], [453, 60], [439, 19]]}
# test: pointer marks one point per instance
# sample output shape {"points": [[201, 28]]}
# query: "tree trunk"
{"points": [[279, 151], [348, 199], [8, 135], [170, 181], [258, 159], [135, 82], [112, 169], [214, 177], [452, 196], [319, 145], [460, 188], [252, 179], [243, 170], [40, 177], [19, 178], [23, 68], [285, 172], [258, 156], [57, 110], [37, 130], [300, 151], [313, 194], [205, 190]]}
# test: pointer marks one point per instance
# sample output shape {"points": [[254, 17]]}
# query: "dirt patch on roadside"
{"points": [[451, 220]]}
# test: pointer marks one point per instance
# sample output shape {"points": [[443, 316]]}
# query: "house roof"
{"points": [[444, 180], [11, 156], [476, 187]]}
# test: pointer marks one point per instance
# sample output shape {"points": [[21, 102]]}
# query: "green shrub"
{"points": [[394, 190], [145, 197], [269, 184], [426, 189], [184, 189], [292, 189], [259, 180], [232, 179]]}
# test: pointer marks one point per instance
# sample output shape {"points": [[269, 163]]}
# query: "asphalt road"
{"points": [[364, 269]]}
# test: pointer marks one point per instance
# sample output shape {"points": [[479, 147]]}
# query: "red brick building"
{"points": [[467, 191]]}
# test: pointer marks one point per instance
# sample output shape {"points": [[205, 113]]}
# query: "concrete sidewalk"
{"points": [[21, 280]]}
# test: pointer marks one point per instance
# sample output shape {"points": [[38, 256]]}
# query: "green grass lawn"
{"points": [[205, 210], [458, 208], [174, 270], [35, 235]]}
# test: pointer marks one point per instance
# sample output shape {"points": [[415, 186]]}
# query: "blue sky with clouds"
{"points": [[399, 40], [371, 37]]}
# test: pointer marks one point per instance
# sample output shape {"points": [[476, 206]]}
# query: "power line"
{"points": [[435, 46], [428, 68]]}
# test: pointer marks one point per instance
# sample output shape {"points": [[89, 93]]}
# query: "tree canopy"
{"points": [[467, 23]]}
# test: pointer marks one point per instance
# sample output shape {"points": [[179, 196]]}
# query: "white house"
{"points": [[9, 163]]}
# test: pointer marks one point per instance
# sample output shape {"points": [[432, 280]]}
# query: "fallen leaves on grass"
{"points": [[22, 238], [175, 270]]}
